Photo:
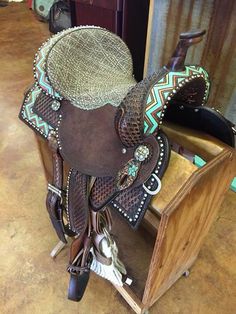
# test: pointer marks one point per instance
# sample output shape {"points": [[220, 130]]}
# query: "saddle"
{"points": [[98, 120]]}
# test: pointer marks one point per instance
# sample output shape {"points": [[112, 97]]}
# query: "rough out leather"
{"points": [[104, 189]]}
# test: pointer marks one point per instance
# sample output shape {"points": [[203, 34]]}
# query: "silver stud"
{"points": [[55, 105]]}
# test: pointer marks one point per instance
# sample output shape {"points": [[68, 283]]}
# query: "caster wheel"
{"points": [[146, 312], [186, 273]]}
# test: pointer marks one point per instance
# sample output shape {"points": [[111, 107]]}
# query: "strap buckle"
{"points": [[157, 190], [55, 190]]}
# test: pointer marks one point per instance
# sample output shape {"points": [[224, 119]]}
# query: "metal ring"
{"points": [[157, 190]]}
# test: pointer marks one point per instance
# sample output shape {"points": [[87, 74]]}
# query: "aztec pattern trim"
{"points": [[31, 118], [162, 92], [157, 100]]}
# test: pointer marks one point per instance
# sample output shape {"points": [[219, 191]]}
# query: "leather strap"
{"points": [[79, 266], [79, 275], [101, 220], [54, 199], [77, 201]]}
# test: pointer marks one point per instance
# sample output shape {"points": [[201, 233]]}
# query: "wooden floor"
{"points": [[30, 282]]}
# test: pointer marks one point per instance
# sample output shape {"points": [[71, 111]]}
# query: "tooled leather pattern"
{"points": [[43, 109], [130, 114], [77, 201], [190, 94], [131, 202], [130, 199], [53, 199], [102, 191]]}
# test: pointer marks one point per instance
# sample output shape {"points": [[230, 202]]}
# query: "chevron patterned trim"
{"points": [[162, 92], [30, 117], [39, 69]]}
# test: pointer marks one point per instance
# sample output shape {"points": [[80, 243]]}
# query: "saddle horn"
{"points": [[186, 40]]}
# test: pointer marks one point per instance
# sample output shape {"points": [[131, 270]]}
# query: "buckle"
{"points": [[157, 190], [55, 190]]}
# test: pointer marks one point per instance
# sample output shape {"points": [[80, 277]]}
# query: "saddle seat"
{"points": [[94, 147]]}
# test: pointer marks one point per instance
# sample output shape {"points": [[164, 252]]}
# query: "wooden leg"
{"points": [[131, 299], [58, 248]]}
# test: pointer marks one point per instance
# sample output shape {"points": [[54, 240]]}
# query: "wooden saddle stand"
{"points": [[110, 163]]}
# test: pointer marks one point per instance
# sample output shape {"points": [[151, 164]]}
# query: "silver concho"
{"points": [[141, 153], [55, 105]]}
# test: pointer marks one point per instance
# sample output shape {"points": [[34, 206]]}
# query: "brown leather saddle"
{"points": [[106, 127]]}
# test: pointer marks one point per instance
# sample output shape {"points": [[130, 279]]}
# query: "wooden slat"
{"points": [[135, 251], [176, 175], [199, 143], [185, 223], [130, 298]]}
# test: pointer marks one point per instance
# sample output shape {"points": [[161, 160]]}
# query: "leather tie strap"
{"points": [[79, 266], [54, 196], [101, 220]]}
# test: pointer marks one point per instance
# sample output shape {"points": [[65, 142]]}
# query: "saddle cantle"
{"points": [[86, 103]]}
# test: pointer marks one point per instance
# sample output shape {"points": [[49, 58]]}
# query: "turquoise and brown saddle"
{"points": [[86, 103]]}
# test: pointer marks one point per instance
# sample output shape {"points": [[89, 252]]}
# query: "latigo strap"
{"points": [[54, 196]]}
